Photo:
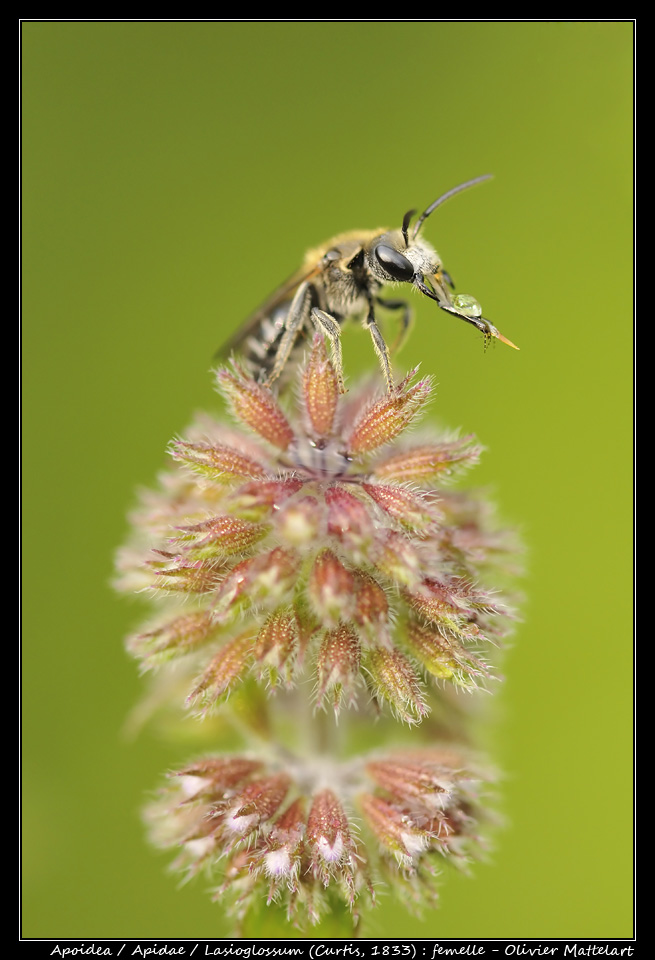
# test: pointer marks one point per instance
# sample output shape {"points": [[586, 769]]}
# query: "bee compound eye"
{"points": [[395, 264]]}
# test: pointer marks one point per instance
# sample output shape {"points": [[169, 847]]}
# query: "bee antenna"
{"points": [[447, 196], [406, 219]]}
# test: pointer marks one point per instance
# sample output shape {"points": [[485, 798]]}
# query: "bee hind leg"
{"points": [[381, 349], [296, 317], [326, 324]]}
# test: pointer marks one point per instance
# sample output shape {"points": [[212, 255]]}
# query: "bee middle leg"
{"points": [[406, 319], [326, 324]]}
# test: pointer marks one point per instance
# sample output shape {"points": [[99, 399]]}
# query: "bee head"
{"points": [[403, 257], [395, 256]]}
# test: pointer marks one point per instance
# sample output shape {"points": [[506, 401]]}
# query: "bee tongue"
{"points": [[499, 336]]}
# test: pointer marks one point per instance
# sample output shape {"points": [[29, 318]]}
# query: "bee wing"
{"points": [[250, 326]]}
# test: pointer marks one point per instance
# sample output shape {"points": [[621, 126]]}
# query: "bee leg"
{"points": [[326, 324], [381, 349], [293, 323], [406, 320]]}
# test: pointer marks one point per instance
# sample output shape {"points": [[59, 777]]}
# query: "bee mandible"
{"points": [[343, 278]]}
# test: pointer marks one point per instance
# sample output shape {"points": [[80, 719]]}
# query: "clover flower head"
{"points": [[318, 542]]}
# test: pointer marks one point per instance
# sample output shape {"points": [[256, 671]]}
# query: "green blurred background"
{"points": [[174, 174]]}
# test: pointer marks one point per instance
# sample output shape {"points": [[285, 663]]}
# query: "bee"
{"points": [[343, 279]]}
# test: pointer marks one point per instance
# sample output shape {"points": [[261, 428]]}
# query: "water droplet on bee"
{"points": [[467, 305]]}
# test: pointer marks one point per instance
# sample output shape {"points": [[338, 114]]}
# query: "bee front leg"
{"points": [[294, 321], [326, 324], [380, 348], [406, 319]]}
